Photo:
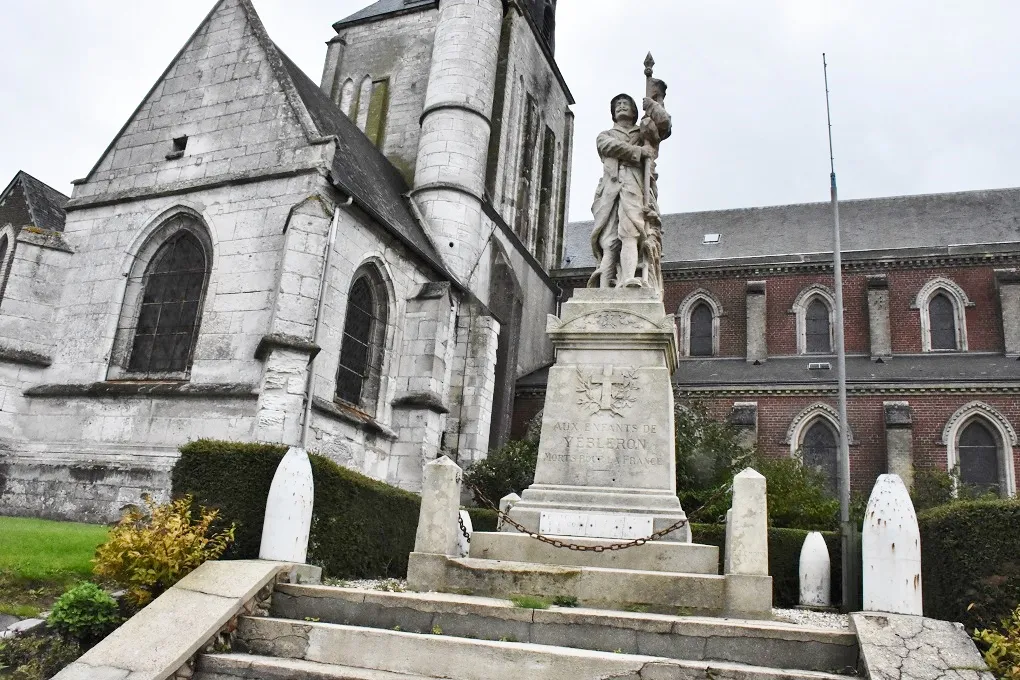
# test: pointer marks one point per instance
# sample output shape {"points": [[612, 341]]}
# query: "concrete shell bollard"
{"points": [[747, 532], [440, 504], [505, 504], [891, 546], [288, 518], [815, 572], [463, 542]]}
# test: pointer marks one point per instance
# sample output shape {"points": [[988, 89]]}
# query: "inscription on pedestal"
{"points": [[594, 525]]}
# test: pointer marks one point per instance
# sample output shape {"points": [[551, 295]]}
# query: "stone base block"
{"points": [[748, 597], [662, 507], [652, 591], [683, 558]]}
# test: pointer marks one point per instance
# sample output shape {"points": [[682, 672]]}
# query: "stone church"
{"points": [[422, 186], [175, 294]]}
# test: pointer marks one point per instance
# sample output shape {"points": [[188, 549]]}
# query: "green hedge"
{"points": [[970, 561], [784, 559], [361, 528]]}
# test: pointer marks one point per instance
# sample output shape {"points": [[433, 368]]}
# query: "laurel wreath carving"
{"points": [[623, 395]]}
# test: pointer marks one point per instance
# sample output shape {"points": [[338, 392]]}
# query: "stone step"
{"points": [[683, 558], [763, 643], [596, 587], [441, 656], [251, 667]]}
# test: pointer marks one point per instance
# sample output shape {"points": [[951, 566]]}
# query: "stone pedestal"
{"points": [[606, 466]]}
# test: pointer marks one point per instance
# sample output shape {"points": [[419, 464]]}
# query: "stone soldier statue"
{"points": [[626, 239]]}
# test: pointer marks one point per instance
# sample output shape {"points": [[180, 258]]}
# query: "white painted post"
{"points": [[505, 504], [891, 546], [440, 504], [815, 572], [464, 543], [747, 532], [288, 519]]}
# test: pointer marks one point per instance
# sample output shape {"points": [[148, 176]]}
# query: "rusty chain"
{"points": [[463, 529], [611, 547]]}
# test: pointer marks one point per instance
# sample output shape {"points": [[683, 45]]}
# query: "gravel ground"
{"points": [[806, 617], [803, 617]]}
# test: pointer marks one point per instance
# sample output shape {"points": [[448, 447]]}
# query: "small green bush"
{"points": [[708, 454], [86, 613], [147, 552], [36, 657], [970, 561], [510, 469], [797, 498], [1001, 647], [483, 519], [361, 528]]}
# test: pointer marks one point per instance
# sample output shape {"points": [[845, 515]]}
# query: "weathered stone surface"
{"points": [[440, 505], [154, 643], [899, 647], [891, 546], [288, 517], [815, 572], [747, 547], [607, 428]]}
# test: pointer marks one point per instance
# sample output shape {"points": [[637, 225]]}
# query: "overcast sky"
{"points": [[925, 94]]}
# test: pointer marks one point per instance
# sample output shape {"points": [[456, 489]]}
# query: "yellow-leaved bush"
{"points": [[150, 550], [1002, 647]]}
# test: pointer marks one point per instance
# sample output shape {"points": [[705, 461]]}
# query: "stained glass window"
{"points": [[818, 339], [819, 452], [701, 331], [168, 318], [361, 354], [942, 322], [979, 457]]}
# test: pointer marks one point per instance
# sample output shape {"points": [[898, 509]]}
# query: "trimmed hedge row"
{"points": [[361, 528], [970, 561], [784, 559]]}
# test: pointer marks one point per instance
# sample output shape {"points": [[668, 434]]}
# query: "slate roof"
{"points": [[925, 369], [361, 170], [791, 231], [381, 8], [28, 202]]}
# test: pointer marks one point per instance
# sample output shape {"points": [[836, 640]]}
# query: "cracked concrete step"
{"points": [[761, 643], [250, 667], [599, 587], [440, 656]]}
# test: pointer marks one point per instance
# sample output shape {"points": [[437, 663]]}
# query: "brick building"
{"points": [[932, 318]]}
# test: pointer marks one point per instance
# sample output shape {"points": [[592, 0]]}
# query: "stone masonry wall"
{"points": [[221, 93], [528, 73], [398, 48], [30, 298]]}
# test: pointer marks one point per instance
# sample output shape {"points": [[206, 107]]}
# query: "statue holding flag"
{"points": [[627, 238]]}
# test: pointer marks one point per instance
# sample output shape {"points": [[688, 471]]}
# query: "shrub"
{"points": [[510, 469], [86, 613], [483, 519], [784, 559], [361, 528], [796, 495], [970, 561], [708, 454], [1002, 647], [148, 553], [36, 657]]}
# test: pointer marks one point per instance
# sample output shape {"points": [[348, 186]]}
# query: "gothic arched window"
{"points": [[3, 252], [978, 453], [702, 340], [819, 451], [817, 333], [942, 322], [169, 311], [361, 351]]}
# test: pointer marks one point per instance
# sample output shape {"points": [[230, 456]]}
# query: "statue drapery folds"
{"points": [[627, 238]]}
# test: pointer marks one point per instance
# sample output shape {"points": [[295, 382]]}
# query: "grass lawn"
{"points": [[39, 559]]}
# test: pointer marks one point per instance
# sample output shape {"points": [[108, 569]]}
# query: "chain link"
{"points": [[611, 547], [463, 529]]}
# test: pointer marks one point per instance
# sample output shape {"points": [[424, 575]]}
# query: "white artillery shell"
{"points": [[288, 518], [891, 546]]}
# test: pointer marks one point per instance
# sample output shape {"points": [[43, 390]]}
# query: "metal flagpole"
{"points": [[848, 562]]}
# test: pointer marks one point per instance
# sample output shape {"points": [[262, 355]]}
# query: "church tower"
{"points": [[449, 177]]}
